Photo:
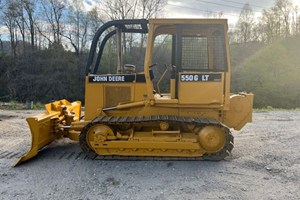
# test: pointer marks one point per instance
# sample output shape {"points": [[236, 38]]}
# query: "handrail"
{"points": [[117, 23]]}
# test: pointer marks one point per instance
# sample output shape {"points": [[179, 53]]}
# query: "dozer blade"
{"points": [[44, 127]]}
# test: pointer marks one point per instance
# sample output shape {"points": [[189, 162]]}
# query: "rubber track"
{"points": [[110, 120]]}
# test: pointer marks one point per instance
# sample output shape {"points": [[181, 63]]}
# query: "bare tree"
{"points": [[1, 21], [295, 21], [268, 23], [132, 9], [77, 30], [10, 18], [53, 12], [20, 21], [120, 9], [1, 45], [280, 21], [151, 8], [245, 23], [215, 15], [95, 19], [285, 8], [29, 7]]}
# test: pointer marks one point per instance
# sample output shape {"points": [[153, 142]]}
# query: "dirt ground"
{"points": [[265, 164]]}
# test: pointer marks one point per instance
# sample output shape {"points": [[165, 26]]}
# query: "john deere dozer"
{"points": [[127, 115]]}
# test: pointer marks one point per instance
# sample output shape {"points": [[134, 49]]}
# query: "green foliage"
{"points": [[44, 76], [11, 105], [5, 63], [38, 106], [272, 74], [241, 52]]}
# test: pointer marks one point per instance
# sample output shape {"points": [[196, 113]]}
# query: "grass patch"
{"points": [[270, 108], [14, 105], [38, 106]]}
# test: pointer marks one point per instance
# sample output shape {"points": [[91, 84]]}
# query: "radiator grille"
{"points": [[117, 94]]}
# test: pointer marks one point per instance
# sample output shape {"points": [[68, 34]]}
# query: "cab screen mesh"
{"points": [[203, 48], [194, 53]]}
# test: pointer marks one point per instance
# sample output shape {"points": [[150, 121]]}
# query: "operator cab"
{"points": [[195, 61], [180, 62]]}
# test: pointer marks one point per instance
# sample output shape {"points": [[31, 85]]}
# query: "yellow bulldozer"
{"points": [[126, 113]]}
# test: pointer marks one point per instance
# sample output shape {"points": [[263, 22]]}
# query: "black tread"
{"points": [[110, 120]]}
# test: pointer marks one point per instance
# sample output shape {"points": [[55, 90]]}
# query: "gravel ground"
{"points": [[265, 164]]}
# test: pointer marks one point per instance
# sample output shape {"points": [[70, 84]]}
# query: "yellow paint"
{"points": [[211, 138], [44, 127], [210, 99]]}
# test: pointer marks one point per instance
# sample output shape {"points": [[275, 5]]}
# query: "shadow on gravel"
{"points": [[7, 117]]}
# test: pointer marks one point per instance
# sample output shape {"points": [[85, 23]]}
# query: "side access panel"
{"points": [[201, 88], [103, 91]]}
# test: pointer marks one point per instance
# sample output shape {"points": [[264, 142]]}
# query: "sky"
{"points": [[203, 8]]}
